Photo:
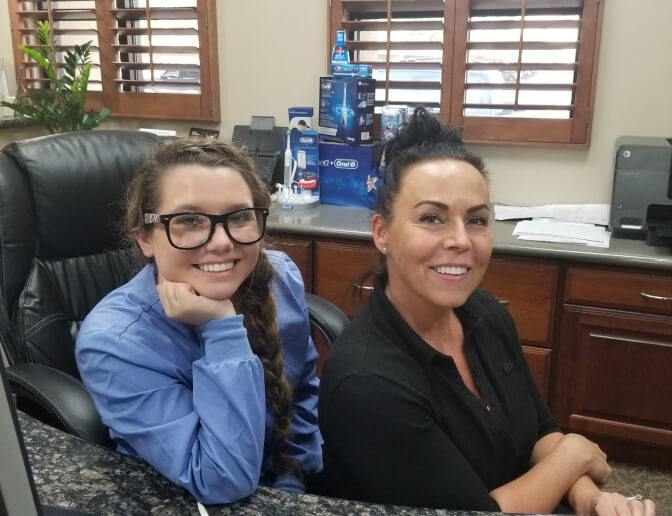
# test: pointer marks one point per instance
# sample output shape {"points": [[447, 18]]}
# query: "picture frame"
{"points": [[201, 132]]}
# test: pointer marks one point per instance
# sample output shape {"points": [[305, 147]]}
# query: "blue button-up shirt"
{"points": [[190, 400]]}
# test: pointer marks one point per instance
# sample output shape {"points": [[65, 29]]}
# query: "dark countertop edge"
{"points": [[16, 121]]}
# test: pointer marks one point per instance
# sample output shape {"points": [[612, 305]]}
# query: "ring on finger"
{"points": [[632, 498]]}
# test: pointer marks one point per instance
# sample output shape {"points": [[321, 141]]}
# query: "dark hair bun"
{"points": [[423, 130]]}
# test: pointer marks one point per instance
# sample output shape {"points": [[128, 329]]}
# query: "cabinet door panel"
{"points": [[528, 289], [645, 291], [338, 270], [613, 375], [301, 251], [539, 362]]}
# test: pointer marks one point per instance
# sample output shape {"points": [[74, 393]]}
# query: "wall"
{"points": [[263, 71]]}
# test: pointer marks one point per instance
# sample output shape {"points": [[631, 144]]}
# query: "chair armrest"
{"points": [[57, 399], [326, 317]]}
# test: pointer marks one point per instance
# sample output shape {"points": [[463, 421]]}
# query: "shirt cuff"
{"points": [[224, 339], [289, 482]]}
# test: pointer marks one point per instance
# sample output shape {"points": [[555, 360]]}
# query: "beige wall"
{"points": [[263, 71]]}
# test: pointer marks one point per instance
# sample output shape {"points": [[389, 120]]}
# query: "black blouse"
{"points": [[401, 427]]}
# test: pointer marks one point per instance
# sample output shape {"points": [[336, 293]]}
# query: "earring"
{"points": [[384, 250]]}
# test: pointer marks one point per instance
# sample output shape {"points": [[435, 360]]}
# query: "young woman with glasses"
{"points": [[202, 364]]}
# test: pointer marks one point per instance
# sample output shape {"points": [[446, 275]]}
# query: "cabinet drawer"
{"points": [[539, 362], [338, 271], [528, 289], [643, 291], [301, 251]]}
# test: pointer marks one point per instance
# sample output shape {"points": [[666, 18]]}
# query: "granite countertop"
{"points": [[12, 122], [73, 473], [328, 221]]}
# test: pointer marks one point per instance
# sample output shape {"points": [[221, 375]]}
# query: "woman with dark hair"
{"points": [[426, 398], [202, 364]]}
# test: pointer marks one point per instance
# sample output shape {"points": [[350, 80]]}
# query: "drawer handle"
{"points": [[362, 287], [654, 297], [503, 301]]}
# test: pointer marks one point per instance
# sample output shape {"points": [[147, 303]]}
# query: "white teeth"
{"points": [[216, 267], [451, 270]]}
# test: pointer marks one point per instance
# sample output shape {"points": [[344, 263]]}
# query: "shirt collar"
{"points": [[470, 314]]}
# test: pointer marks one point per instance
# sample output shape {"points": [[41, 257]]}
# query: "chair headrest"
{"points": [[78, 182]]}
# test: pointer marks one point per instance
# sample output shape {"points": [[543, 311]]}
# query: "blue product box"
{"points": [[348, 174], [346, 109]]}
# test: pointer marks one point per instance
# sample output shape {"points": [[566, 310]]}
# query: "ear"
{"points": [[144, 240], [379, 233]]}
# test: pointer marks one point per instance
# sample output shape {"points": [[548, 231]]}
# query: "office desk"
{"points": [[72, 473]]}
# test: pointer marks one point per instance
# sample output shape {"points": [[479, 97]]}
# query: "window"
{"points": [[152, 58], [512, 71]]}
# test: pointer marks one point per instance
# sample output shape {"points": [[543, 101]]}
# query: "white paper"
{"points": [[546, 230], [588, 213], [201, 509], [159, 132]]}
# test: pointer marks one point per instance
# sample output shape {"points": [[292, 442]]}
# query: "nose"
{"points": [[219, 239], [457, 236]]}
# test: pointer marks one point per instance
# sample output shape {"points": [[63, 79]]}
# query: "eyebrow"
{"points": [[192, 208], [444, 206]]}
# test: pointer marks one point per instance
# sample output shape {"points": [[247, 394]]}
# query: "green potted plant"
{"points": [[61, 108]]}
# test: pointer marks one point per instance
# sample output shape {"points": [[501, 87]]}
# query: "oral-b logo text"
{"points": [[346, 163], [306, 139]]}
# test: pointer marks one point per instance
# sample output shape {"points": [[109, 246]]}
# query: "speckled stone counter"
{"points": [[72, 473], [328, 221], [12, 122]]}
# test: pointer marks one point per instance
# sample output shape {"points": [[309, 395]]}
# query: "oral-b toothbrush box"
{"points": [[348, 174], [305, 160], [346, 109], [300, 118]]}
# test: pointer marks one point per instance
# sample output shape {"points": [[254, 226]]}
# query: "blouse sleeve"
{"points": [[207, 437], [388, 441]]}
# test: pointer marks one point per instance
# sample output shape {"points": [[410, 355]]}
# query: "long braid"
{"points": [[259, 318]]}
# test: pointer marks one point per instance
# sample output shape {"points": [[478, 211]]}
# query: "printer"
{"points": [[641, 198]]}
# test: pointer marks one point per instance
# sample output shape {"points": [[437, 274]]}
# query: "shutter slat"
{"points": [[156, 13], [396, 25], [163, 66], [136, 31], [155, 49], [529, 24], [395, 45], [521, 107], [521, 86], [61, 14], [523, 66], [527, 45], [395, 65], [380, 6]]}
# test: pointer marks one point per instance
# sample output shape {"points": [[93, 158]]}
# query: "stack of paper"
{"points": [[567, 223]]}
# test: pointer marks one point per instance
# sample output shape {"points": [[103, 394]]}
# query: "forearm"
{"points": [[583, 493], [545, 483]]}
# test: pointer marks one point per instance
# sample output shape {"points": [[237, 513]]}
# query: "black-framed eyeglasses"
{"points": [[190, 230]]}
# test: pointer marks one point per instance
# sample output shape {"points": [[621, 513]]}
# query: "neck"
{"points": [[433, 325]]}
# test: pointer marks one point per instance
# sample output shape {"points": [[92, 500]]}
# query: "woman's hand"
{"points": [[615, 504], [575, 445], [182, 303]]}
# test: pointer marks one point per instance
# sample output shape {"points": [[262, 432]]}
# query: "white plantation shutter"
{"points": [[153, 58], [519, 71]]}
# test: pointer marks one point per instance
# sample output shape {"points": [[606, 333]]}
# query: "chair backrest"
{"points": [[61, 199]]}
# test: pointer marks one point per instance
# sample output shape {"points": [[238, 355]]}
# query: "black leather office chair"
{"points": [[60, 253]]}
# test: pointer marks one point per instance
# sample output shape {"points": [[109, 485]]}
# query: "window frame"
{"points": [[573, 132], [166, 106]]}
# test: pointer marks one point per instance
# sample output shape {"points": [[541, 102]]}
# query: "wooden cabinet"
{"points": [[299, 250], [613, 361], [529, 289], [339, 272]]}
